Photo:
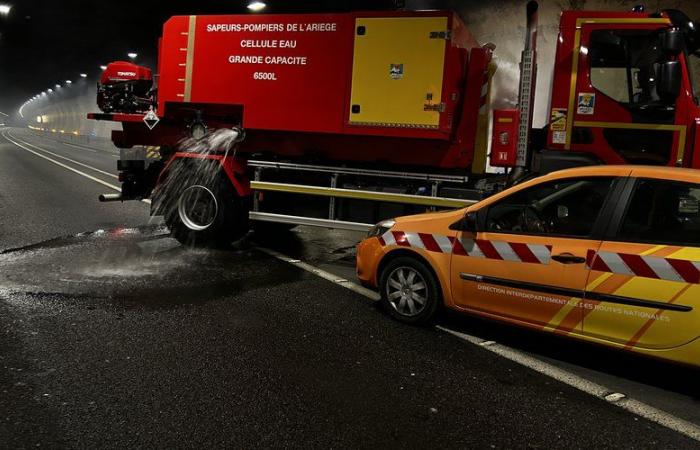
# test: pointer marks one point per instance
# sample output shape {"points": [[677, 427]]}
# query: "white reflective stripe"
{"points": [[541, 252], [615, 263], [414, 240], [506, 251], [472, 249], [444, 243], [389, 238], [662, 268]]}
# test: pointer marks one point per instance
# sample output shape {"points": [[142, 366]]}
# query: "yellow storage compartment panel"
{"points": [[397, 71]]}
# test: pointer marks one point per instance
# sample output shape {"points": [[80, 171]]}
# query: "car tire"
{"points": [[207, 213], [410, 292]]}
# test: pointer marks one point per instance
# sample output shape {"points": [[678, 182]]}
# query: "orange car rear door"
{"points": [[528, 262], [644, 288]]}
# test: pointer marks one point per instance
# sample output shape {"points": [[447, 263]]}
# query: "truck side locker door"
{"points": [[397, 75], [644, 288], [517, 269], [617, 112]]}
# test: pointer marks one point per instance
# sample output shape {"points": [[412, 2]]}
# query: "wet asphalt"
{"points": [[114, 336]]}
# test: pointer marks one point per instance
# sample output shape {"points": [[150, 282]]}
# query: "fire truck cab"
{"points": [[625, 90]]}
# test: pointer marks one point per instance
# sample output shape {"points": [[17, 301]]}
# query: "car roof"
{"points": [[662, 172]]}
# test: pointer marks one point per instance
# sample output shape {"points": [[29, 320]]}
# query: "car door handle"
{"points": [[568, 258]]}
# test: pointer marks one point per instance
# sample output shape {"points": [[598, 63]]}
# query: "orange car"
{"points": [[605, 254]]}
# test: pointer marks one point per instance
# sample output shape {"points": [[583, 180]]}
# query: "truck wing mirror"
{"points": [[669, 84], [672, 41], [468, 223]]}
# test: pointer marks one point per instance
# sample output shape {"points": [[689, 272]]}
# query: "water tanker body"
{"points": [[340, 120], [387, 87]]}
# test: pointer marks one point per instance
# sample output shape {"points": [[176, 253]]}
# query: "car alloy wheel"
{"points": [[407, 291]]}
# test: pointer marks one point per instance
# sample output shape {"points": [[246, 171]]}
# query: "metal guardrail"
{"points": [[321, 191]]}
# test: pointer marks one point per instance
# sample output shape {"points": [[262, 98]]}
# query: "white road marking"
{"points": [[63, 157], [101, 150], [589, 387], [323, 274], [60, 164], [79, 147], [635, 407]]}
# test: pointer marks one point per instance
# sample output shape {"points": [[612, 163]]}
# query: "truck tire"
{"points": [[207, 214], [409, 290]]}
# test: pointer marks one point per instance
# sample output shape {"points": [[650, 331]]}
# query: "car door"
{"points": [[645, 278], [527, 263]]}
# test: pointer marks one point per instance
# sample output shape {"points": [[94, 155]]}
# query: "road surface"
{"points": [[113, 335]]}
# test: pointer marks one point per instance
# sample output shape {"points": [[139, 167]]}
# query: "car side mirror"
{"points": [[672, 41], [468, 223], [669, 84]]}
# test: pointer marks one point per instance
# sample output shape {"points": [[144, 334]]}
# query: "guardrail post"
{"points": [[331, 205], [256, 194]]}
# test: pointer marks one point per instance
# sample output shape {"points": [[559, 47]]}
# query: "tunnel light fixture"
{"points": [[83, 75], [5, 9], [103, 67], [132, 55], [69, 82], [49, 90], [58, 86], [256, 6]]}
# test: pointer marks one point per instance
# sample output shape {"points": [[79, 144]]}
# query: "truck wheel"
{"points": [[207, 215], [409, 291]]}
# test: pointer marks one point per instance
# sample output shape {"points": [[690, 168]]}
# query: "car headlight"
{"points": [[381, 228]]}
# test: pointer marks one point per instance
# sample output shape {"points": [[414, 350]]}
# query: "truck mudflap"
{"points": [[198, 164]]}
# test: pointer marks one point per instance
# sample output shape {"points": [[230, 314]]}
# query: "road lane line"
{"points": [[323, 274], [60, 164], [79, 147], [633, 406], [63, 157], [589, 387]]}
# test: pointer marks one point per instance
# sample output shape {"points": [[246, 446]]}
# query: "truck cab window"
{"points": [[663, 212], [565, 208], [624, 65]]}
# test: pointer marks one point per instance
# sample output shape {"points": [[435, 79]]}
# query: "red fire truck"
{"points": [[341, 120]]}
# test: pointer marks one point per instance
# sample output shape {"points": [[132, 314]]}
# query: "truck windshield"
{"points": [[694, 69]]}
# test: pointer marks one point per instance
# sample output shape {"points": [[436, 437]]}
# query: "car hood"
{"points": [[442, 219]]}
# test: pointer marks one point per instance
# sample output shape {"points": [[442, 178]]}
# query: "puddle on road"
{"points": [[133, 266]]}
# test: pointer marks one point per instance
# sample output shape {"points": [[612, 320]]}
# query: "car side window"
{"points": [[567, 207], [663, 212]]}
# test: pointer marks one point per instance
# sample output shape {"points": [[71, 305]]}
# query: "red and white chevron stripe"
{"points": [[429, 242], [645, 266], [476, 248], [506, 251]]}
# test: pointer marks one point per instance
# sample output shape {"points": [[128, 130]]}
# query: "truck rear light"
{"points": [[504, 144]]}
